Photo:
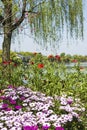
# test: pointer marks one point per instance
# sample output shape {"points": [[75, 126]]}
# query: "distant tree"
{"points": [[46, 19]]}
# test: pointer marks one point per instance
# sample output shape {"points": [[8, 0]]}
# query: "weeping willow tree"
{"points": [[54, 16], [46, 18]]}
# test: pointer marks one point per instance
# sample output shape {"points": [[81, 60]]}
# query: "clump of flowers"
{"points": [[24, 109], [74, 61], [40, 65], [57, 57], [50, 56]]}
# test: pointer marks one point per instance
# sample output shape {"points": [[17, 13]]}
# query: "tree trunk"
{"points": [[6, 70], [6, 73], [6, 47], [7, 29]]}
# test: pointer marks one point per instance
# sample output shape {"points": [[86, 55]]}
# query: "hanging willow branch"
{"points": [[55, 15], [49, 18]]}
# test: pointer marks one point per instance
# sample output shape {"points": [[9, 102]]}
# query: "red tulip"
{"points": [[57, 57], [5, 63], [74, 61], [15, 65], [35, 53], [40, 66], [50, 56]]}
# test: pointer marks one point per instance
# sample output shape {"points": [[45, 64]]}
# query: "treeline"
{"points": [[26, 56]]}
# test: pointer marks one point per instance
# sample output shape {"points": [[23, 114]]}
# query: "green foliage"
{"points": [[15, 8], [48, 23], [50, 77]]}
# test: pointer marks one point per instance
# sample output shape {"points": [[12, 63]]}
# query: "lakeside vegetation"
{"points": [[44, 77], [64, 57]]}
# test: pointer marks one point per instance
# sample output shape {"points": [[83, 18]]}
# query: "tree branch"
{"points": [[2, 0], [14, 26], [31, 10], [23, 14], [1, 19], [21, 18]]}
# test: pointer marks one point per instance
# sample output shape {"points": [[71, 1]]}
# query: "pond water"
{"points": [[82, 64], [70, 67]]}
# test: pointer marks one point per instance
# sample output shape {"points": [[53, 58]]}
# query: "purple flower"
{"points": [[30, 127], [4, 106], [12, 101], [10, 86], [59, 128], [18, 107], [8, 109], [2, 97], [45, 127], [45, 111], [27, 128], [22, 98], [69, 100], [34, 127], [8, 98]]}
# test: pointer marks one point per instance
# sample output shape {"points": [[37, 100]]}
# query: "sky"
{"points": [[25, 43]]}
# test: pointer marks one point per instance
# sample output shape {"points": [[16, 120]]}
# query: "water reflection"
{"points": [[71, 67], [82, 64]]}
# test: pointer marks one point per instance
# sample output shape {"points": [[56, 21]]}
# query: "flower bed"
{"points": [[24, 109]]}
